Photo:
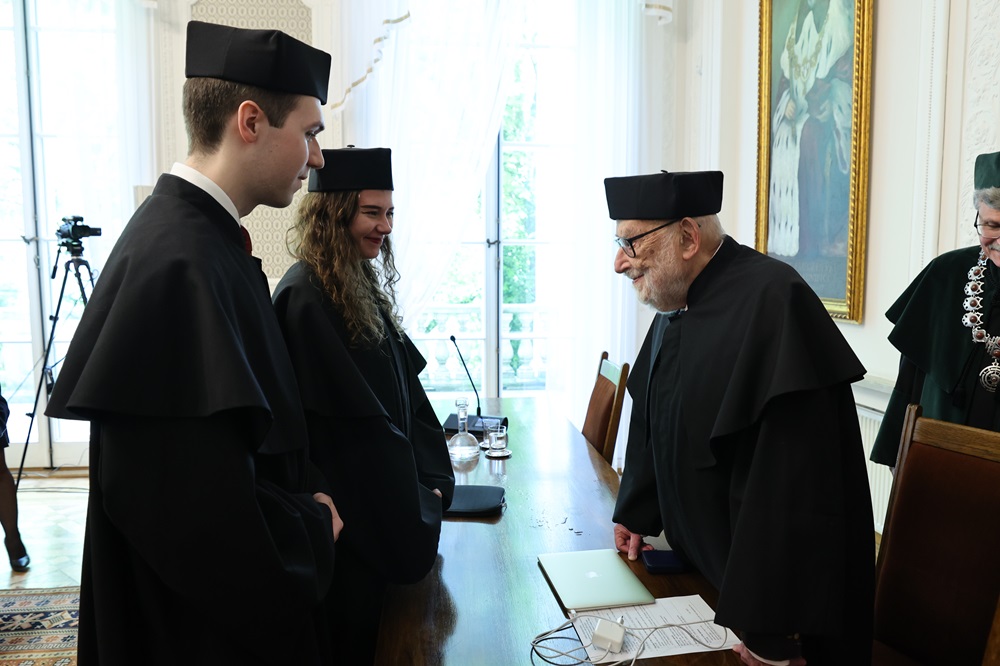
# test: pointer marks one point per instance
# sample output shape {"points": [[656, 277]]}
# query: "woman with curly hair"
{"points": [[373, 433]]}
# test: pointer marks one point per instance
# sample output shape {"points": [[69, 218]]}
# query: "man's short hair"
{"points": [[988, 195], [210, 103]]}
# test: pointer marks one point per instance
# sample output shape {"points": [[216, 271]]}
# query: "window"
{"points": [[16, 350], [499, 295], [67, 147]]}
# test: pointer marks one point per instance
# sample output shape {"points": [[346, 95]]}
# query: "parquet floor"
{"points": [[52, 517]]}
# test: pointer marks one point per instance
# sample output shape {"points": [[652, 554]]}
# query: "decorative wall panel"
{"points": [[981, 113]]}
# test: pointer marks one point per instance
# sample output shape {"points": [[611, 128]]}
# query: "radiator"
{"points": [[879, 476]]}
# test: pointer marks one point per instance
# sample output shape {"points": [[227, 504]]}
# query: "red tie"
{"points": [[247, 243]]}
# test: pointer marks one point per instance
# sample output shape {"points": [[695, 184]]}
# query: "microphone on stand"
{"points": [[475, 425], [479, 411]]}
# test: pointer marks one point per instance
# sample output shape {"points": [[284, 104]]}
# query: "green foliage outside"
{"points": [[518, 206], [463, 282]]}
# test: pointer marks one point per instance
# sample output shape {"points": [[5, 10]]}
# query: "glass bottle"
{"points": [[463, 446]]}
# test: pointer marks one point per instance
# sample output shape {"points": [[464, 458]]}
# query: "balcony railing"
{"points": [[523, 347]]}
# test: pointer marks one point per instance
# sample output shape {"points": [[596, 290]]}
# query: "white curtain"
{"points": [[364, 31], [436, 100], [598, 308]]}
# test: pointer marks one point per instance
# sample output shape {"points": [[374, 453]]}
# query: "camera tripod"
{"points": [[77, 261]]}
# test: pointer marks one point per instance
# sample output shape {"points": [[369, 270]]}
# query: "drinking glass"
{"points": [[498, 443], [489, 425]]}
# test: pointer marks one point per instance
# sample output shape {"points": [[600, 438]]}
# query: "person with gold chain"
{"points": [[947, 329]]}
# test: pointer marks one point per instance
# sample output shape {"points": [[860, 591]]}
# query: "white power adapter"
{"points": [[609, 635]]}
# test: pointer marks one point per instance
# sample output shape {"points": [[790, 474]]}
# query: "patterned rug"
{"points": [[38, 627]]}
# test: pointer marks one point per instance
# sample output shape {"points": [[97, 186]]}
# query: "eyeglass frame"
{"points": [[980, 234], [628, 244]]}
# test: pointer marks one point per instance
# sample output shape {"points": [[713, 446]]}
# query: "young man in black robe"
{"points": [[947, 330], [744, 445], [365, 407], [206, 541]]}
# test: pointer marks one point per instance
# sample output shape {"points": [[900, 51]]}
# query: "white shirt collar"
{"points": [[198, 179]]}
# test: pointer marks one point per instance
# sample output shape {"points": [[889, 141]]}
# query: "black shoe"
{"points": [[20, 564]]}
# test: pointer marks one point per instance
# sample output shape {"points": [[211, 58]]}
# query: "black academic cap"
{"points": [[264, 58], [350, 169], [987, 171], [664, 195]]}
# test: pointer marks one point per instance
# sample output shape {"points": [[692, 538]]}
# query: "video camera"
{"points": [[72, 231]]}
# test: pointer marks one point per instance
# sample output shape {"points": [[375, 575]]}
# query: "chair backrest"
{"points": [[604, 412], [992, 656], [938, 569]]}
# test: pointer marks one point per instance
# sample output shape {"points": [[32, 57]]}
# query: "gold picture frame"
{"points": [[813, 144]]}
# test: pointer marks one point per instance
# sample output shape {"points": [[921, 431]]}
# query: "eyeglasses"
{"points": [[992, 229], [628, 244]]}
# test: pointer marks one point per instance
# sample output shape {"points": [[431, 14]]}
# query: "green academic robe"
{"points": [[940, 362]]}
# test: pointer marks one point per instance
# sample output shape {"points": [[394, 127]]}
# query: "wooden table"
{"points": [[486, 597]]}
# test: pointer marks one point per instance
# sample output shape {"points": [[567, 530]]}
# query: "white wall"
{"points": [[935, 106]]}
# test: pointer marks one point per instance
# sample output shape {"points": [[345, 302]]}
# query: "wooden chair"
{"points": [[938, 570], [604, 412], [992, 656]]}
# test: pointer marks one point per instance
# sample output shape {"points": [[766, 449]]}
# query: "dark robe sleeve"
{"points": [[638, 506], [908, 387], [375, 486], [426, 434], [802, 553], [188, 496], [315, 480], [433, 464]]}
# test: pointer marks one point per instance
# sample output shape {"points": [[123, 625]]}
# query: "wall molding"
{"points": [[980, 107], [929, 134]]}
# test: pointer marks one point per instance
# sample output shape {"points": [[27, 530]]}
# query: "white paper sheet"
{"points": [[690, 611]]}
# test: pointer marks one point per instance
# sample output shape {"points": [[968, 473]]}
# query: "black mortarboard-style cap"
{"points": [[353, 169], [987, 171], [664, 195], [264, 58]]}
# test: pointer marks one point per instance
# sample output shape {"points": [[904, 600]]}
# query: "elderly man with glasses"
{"points": [[744, 445], [947, 329]]}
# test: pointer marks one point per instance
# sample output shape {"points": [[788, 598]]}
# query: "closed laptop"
{"points": [[587, 579]]}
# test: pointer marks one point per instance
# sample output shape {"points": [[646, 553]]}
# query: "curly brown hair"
{"points": [[361, 290]]}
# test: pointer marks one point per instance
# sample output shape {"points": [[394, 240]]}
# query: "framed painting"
{"points": [[813, 144]]}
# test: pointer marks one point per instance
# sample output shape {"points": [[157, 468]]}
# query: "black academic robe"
{"points": [[377, 440], [744, 447], [939, 361], [203, 544]]}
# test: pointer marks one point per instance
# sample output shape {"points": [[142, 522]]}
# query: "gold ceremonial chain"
{"points": [[989, 376]]}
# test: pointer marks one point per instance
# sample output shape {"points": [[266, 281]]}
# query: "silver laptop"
{"points": [[587, 579]]}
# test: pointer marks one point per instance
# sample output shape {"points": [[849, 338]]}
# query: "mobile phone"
{"points": [[663, 561]]}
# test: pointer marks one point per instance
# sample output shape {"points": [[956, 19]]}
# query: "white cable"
{"points": [[537, 647]]}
